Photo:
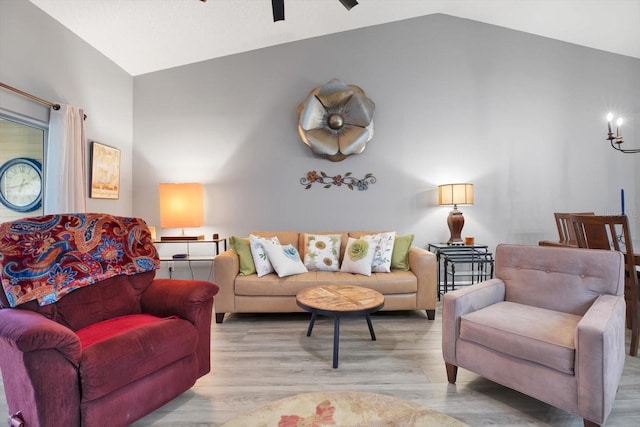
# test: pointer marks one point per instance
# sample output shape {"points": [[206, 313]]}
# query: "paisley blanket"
{"points": [[47, 257]]}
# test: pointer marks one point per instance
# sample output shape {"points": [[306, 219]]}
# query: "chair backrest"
{"points": [[611, 232], [566, 231], [558, 278], [90, 267]]}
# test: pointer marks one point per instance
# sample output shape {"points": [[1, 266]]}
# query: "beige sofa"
{"points": [[415, 289]]}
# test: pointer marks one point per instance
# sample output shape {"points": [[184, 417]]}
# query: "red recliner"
{"points": [[108, 351]]}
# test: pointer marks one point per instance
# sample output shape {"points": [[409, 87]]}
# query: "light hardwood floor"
{"points": [[257, 359]]}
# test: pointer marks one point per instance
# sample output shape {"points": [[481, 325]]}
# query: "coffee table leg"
{"points": [[373, 334], [336, 340], [313, 320]]}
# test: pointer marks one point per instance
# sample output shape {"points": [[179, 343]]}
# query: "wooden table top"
{"points": [[340, 298]]}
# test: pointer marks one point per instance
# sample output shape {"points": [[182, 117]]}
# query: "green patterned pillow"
{"points": [[400, 257], [359, 255], [242, 248], [322, 252]]}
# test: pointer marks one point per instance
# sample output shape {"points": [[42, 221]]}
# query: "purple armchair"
{"points": [[106, 343], [550, 325]]}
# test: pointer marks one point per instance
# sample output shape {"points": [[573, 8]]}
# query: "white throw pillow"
{"points": [[359, 255], [260, 258], [384, 249], [285, 259], [322, 252]]}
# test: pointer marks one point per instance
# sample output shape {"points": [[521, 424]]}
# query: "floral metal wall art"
{"points": [[336, 120], [347, 180]]}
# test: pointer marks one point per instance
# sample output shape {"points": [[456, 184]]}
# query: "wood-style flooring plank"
{"points": [[259, 358]]}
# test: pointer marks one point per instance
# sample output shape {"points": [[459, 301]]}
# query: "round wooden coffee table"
{"points": [[339, 301]]}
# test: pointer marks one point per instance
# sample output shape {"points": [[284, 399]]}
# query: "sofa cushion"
{"points": [[343, 242], [525, 332], [396, 282], [400, 256], [131, 347], [359, 255], [260, 258], [285, 259], [383, 252], [245, 258], [322, 252], [284, 237]]}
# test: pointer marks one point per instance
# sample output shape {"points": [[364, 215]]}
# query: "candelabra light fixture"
{"points": [[615, 139]]}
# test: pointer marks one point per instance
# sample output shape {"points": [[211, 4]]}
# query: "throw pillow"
{"points": [[383, 251], [400, 257], [359, 255], [260, 258], [322, 252], [241, 246], [285, 259]]}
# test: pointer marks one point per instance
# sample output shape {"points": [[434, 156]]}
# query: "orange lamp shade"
{"points": [[181, 205]]}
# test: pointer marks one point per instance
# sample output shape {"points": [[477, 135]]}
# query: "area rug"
{"points": [[342, 409]]}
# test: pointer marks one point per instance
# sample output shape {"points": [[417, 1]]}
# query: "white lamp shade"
{"points": [[455, 194]]}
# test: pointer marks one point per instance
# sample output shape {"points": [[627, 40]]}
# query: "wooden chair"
{"points": [[566, 232], [611, 232]]}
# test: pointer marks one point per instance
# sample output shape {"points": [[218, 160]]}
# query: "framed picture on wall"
{"points": [[105, 171]]}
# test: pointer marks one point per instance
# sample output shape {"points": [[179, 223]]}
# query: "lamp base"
{"points": [[455, 221]]}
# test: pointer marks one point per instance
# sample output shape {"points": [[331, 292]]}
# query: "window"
{"points": [[21, 168]]}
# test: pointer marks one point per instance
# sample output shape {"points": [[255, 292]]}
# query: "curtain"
{"points": [[65, 171]]}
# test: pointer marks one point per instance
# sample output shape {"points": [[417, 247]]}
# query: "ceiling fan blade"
{"points": [[349, 3], [278, 10]]}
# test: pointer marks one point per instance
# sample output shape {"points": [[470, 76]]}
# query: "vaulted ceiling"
{"points": [[143, 36]]}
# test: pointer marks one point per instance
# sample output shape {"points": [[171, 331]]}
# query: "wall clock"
{"points": [[21, 184]]}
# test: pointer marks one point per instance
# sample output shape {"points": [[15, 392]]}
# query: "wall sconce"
{"points": [[181, 206], [616, 140], [455, 194]]}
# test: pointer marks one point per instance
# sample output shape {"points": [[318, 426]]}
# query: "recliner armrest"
{"points": [[28, 331], [171, 297], [463, 301], [600, 356]]}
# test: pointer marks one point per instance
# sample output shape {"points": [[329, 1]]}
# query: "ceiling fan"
{"points": [[278, 8]]}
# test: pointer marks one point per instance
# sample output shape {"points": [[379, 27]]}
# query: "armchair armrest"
{"points": [[39, 363], [171, 297], [463, 301], [28, 331], [190, 299], [600, 355]]}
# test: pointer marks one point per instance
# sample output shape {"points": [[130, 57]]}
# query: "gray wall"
{"points": [[520, 116], [40, 56]]}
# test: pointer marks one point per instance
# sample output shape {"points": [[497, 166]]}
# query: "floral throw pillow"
{"points": [[383, 251], [322, 252], [285, 259], [359, 255], [260, 258]]}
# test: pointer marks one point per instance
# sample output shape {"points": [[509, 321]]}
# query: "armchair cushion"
{"points": [[515, 329], [144, 345]]}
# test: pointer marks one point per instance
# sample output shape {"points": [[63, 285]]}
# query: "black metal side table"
{"points": [[472, 262]]}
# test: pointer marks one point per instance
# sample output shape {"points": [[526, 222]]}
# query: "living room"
{"points": [[518, 115]]}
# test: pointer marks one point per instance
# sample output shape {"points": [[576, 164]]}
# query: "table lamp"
{"points": [[455, 194], [181, 206]]}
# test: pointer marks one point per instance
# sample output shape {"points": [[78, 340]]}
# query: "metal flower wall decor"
{"points": [[336, 120], [347, 180]]}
